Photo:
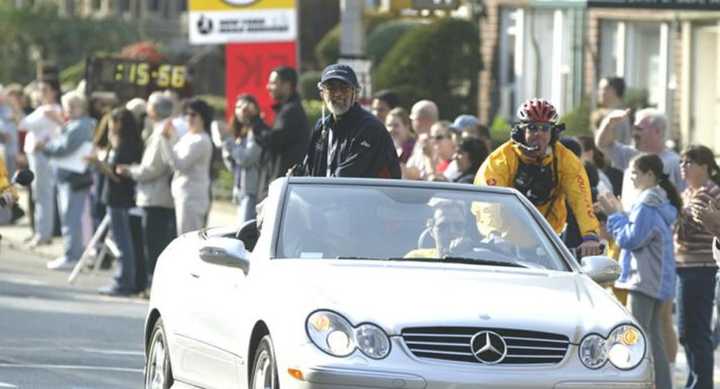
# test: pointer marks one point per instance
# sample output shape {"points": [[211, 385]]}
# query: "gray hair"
{"points": [[75, 99], [653, 118], [161, 104], [425, 108]]}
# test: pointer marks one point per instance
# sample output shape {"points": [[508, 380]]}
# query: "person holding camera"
{"points": [[351, 142], [545, 172]]}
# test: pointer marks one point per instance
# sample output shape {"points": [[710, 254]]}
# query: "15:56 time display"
{"points": [[143, 73]]}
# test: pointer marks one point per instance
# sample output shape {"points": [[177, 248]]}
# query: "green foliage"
{"points": [[439, 61], [308, 85], [499, 130], [577, 121], [636, 98], [385, 35], [313, 110], [25, 32], [327, 51]]}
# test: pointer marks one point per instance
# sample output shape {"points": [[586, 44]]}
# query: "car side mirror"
{"points": [[600, 268], [226, 252]]}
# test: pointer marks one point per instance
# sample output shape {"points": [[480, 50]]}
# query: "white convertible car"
{"points": [[357, 283]]}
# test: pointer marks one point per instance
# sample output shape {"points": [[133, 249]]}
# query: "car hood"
{"points": [[400, 295]]}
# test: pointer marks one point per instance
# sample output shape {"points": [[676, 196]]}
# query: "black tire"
{"points": [[158, 371], [264, 374]]}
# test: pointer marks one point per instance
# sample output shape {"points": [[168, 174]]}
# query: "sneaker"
{"points": [[113, 290], [35, 242], [61, 263]]}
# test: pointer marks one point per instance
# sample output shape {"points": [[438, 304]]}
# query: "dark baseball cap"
{"points": [[340, 72]]}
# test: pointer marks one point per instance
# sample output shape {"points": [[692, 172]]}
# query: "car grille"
{"points": [[453, 344]]}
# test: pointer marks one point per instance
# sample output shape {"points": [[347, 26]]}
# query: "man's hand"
{"points": [[615, 118], [39, 145], [168, 130], [590, 247]]}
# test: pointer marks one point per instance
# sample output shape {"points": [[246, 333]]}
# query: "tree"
{"points": [[439, 61], [30, 34]]}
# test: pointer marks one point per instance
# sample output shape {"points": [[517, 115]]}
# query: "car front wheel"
{"points": [[158, 373], [264, 372]]}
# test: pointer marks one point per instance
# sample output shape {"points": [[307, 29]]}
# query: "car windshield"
{"points": [[412, 224]]}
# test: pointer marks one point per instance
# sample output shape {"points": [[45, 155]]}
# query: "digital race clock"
{"points": [[133, 78]]}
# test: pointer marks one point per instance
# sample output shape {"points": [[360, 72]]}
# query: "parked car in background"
{"points": [[363, 283]]}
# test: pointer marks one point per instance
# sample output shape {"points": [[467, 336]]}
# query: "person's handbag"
{"points": [[79, 181]]}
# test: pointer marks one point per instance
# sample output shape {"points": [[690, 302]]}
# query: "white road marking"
{"points": [[71, 367], [112, 352], [4, 385]]}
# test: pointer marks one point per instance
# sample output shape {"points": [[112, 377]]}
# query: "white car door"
{"points": [[212, 357]]}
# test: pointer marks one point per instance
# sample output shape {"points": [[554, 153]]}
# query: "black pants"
{"points": [[158, 232]]}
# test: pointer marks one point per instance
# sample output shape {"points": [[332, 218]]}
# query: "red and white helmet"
{"points": [[538, 111]]}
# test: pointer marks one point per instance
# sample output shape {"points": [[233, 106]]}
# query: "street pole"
{"points": [[352, 39]]}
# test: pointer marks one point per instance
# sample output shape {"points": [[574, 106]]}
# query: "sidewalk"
{"points": [[222, 213]]}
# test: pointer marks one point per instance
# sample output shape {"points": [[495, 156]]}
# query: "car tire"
{"points": [[158, 372], [264, 373]]}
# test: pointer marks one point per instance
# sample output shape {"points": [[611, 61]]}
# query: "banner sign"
{"points": [[134, 78], [248, 67], [217, 22], [658, 4]]}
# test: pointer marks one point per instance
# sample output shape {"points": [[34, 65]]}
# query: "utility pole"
{"points": [[352, 39]]}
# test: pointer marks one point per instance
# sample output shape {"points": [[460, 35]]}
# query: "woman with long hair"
{"points": [[696, 267], [646, 257], [399, 125], [190, 157], [244, 157], [118, 194]]}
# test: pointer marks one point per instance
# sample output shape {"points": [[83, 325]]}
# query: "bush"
{"points": [[313, 110], [308, 85], [636, 98], [440, 62], [499, 130], [384, 37], [327, 51], [577, 121]]}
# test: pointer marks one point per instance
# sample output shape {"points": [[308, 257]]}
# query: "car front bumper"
{"points": [[401, 370]]}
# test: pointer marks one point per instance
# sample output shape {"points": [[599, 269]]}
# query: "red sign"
{"points": [[248, 67]]}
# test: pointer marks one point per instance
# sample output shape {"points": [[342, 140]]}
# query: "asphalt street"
{"points": [[61, 336]]}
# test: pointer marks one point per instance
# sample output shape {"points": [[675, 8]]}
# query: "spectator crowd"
{"points": [[151, 165]]}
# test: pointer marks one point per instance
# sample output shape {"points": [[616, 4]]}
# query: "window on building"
{"points": [[96, 5], [182, 6], [123, 6], [154, 5]]}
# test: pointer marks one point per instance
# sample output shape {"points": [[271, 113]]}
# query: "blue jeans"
{"points": [[72, 205], [120, 227], [695, 305]]}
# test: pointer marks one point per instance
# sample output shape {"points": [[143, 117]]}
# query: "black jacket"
{"points": [[121, 194], [290, 134], [361, 147]]}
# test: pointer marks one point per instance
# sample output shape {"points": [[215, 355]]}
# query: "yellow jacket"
{"points": [[5, 181], [500, 167]]}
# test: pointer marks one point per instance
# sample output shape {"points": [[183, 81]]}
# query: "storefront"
{"points": [[667, 50]]}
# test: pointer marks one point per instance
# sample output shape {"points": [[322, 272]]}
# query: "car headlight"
{"points": [[593, 352], [372, 341], [624, 348], [334, 334]]}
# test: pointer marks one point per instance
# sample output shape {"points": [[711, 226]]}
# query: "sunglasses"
{"points": [[537, 127], [335, 87], [440, 137]]}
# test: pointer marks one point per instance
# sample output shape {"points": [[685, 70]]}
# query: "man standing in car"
{"points": [[350, 142]]}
